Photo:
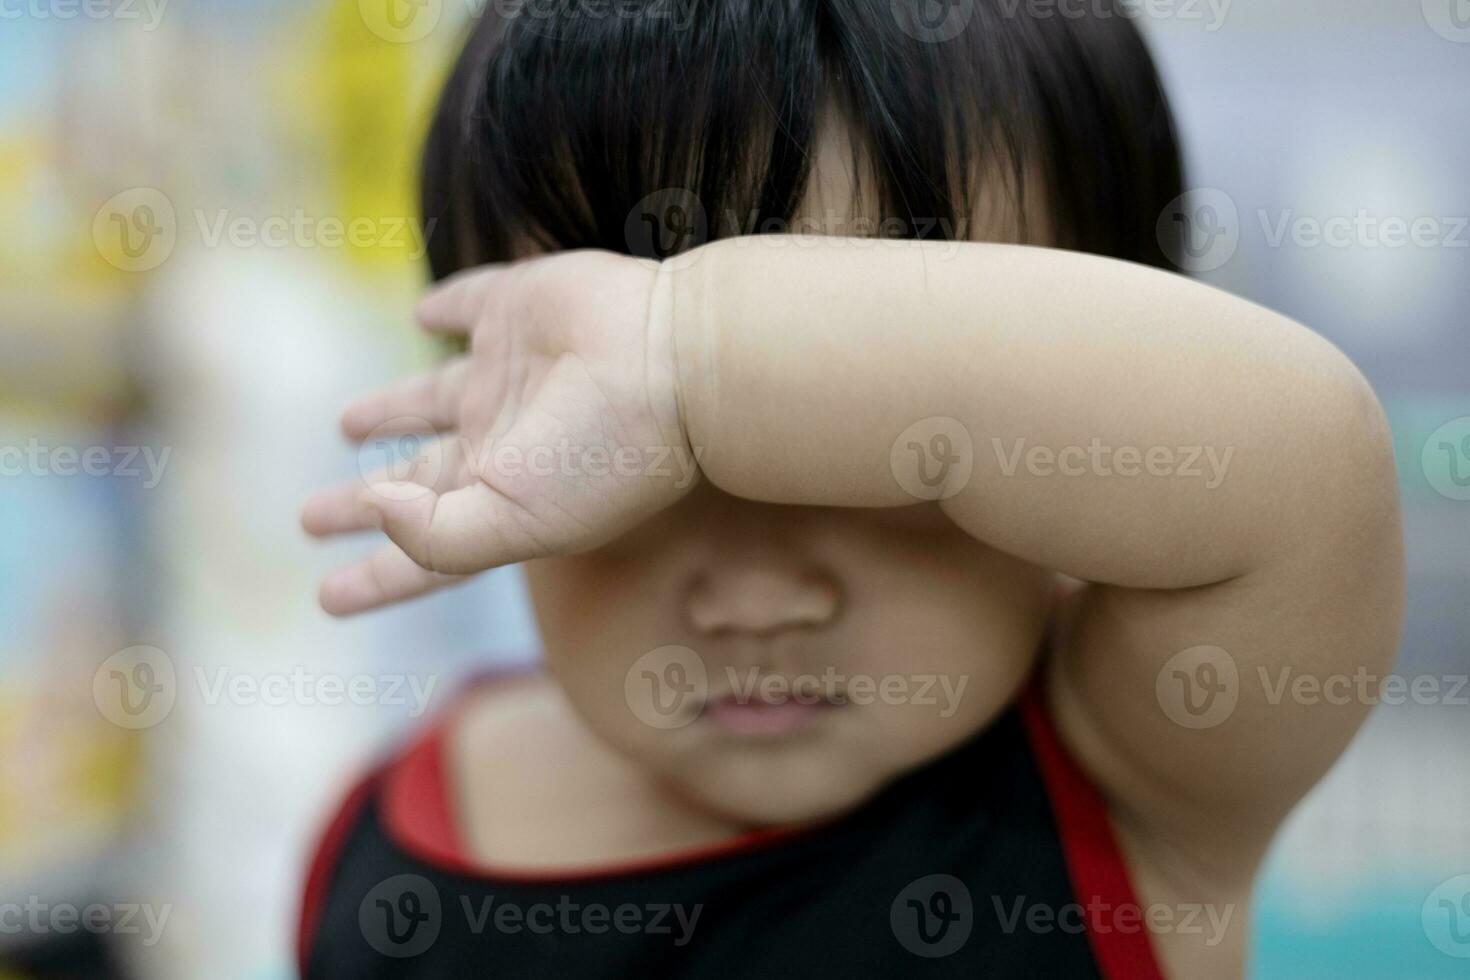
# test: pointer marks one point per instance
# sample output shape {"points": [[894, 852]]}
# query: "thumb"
{"points": [[457, 533]]}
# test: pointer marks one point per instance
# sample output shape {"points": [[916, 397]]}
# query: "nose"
{"points": [[761, 598]]}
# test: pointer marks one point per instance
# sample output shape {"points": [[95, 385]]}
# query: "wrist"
{"points": [[667, 373]]}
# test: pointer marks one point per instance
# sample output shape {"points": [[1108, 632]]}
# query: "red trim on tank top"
{"points": [[1100, 880], [418, 814]]}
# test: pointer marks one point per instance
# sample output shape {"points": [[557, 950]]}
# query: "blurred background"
{"points": [[212, 244]]}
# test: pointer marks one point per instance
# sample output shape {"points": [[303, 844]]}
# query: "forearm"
{"points": [[1124, 425]]}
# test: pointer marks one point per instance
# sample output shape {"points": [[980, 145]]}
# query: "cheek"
{"points": [[945, 605], [954, 633], [601, 619], [588, 621]]}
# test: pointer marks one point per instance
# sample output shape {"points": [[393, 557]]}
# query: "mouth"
{"points": [[760, 717]]}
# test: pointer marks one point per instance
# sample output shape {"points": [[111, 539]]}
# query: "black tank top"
{"points": [[995, 860]]}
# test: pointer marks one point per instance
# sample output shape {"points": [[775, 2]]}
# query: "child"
{"points": [[907, 576]]}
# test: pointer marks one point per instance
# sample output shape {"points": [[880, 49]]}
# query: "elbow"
{"points": [[1336, 489], [1366, 443], [1359, 473]]}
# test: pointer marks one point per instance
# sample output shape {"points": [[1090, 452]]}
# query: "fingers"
{"points": [[454, 306], [465, 531], [389, 575], [386, 577], [337, 511], [438, 465], [428, 403]]}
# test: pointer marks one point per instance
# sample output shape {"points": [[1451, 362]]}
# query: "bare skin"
{"points": [[794, 367]]}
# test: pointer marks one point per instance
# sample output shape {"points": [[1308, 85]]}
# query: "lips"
{"points": [[759, 718]]}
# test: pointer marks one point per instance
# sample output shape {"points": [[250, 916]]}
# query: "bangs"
{"points": [[648, 127]]}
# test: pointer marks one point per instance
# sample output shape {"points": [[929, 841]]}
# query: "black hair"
{"points": [[608, 123]]}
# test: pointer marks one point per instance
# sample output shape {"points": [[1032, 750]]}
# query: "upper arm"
{"points": [[1189, 706]]}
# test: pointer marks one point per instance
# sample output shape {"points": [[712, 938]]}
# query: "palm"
{"points": [[556, 432]]}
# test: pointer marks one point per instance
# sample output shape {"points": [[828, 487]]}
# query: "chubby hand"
{"points": [[554, 435]]}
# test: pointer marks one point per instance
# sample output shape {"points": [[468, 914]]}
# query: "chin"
{"points": [[766, 792]]}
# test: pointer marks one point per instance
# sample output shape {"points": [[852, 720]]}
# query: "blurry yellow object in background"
{"points": [[365, 100]]}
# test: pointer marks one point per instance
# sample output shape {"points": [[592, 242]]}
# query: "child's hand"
{"points": [[557, 433]]}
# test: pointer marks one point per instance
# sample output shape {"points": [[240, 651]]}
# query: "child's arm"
{"points": [[802, 363], [1265, 524], [1262, 519]]}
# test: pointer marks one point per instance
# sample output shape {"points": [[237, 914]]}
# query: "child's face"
{"points": [[818, 652], [923, 631]]}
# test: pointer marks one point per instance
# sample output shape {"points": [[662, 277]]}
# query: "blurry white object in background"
{"points": [[247, 350]]}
